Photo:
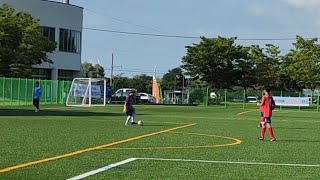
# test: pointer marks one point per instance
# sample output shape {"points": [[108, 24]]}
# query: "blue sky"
{"points": [[211, 18]]}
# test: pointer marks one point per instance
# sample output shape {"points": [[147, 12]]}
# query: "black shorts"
{"points": [[36, 102]]}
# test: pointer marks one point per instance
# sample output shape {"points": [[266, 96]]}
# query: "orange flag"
{"points": [[156, 90]]}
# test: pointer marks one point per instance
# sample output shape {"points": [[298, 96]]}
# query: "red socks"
{"points": [[263, 131], [271, 133]]}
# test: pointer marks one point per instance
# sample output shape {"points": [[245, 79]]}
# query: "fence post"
{"points": [[225, 98], [32, 88], [57, 90], [281, 96], [62, 95], [51, 91], [4, 90], [19, 91], [318, 103], [300, 97], [244, 98], [45, 91], [207, 97], [11, 95], [26, 92]]}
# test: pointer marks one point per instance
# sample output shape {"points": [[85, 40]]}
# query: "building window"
{"points": [[65, 74], [48, 32], [41, 73], [70, 41]]}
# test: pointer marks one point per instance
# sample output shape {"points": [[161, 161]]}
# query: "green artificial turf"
{"points": [[26, 136]]}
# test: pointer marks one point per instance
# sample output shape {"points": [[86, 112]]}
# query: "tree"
{"points": [[266, 65], [303, 63], [93, 71], [119, 81], [21, 43], [143, 83], [216, 61], [173, 80]]}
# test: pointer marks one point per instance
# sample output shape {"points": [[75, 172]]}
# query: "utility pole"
{"points": [[112, 68], [111, 75]]}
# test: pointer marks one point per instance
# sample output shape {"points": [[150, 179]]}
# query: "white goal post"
{"points": [[87, 92]]}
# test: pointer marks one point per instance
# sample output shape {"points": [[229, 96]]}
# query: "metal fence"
{"points": [[241, 98], [17, 91]]}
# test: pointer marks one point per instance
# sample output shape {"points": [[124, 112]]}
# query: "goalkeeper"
{"points": [[129, 109]]}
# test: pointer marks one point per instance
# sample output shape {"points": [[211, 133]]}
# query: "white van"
{"points": [[252, 99]]}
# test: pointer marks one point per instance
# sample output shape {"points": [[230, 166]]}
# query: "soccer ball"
{"points": [[213, 95], [140, 123]]}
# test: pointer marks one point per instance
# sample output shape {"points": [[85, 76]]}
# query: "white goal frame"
{"points": [[88, 93]]}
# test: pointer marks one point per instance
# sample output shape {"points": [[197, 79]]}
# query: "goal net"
{"points": [[87, 92]]}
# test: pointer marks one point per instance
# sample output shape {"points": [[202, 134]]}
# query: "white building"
{"points": [[61, 22]]}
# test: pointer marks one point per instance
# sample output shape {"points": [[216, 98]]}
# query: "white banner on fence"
{"points": [[292, 101], [80, 90]]}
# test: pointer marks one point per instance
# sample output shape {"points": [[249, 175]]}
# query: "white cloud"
{"points": [[306, 4]]}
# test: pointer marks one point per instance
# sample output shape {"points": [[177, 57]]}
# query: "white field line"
{"points": [[106, 168], [231, 162], [82, 176]]}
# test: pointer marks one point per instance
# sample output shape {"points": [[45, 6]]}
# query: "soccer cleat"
{"points": [[272, 139], [133, 123], [260, 138]]}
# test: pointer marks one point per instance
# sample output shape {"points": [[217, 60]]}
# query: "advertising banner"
{"points": [[292, 101]]}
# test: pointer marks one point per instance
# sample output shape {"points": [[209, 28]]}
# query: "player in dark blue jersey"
{"points": [[36, 96], [129, 109]]}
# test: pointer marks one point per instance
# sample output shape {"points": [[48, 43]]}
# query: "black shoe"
{"points": [[133, 123], [260, 138], [272, 139]]}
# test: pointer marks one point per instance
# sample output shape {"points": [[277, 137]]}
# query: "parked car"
{"points": [[147, 98], [120, 95], [237, 100], [252, 99]]}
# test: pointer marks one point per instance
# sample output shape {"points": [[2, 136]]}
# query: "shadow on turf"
{"points": [[26, 112]]}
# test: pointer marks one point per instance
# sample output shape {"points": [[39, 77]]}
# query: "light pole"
{"points": [[97, 66]]}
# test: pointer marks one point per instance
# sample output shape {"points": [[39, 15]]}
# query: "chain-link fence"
{"points": [[17, 91]]}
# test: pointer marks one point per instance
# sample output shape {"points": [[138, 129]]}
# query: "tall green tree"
{"points": [[303, 63], [267, 63], [93, 71], [173, 80], [120, 81], [143, 83], [21, 43], [216, 61]]}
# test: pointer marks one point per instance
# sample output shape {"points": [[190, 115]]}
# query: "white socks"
{"points": [[127, 121], [133, 118]]}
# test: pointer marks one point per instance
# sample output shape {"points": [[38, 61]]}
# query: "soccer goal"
{"points": [[87, 92]]}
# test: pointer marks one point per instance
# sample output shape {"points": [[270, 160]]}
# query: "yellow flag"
{"points": [[124, 108]]}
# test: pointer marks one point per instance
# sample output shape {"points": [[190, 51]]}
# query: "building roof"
{"points": [[60, 2]]}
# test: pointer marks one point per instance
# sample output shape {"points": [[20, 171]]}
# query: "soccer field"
{"points": [[173, 143]]}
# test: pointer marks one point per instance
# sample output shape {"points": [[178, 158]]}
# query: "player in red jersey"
{"points": [[267, 105]]}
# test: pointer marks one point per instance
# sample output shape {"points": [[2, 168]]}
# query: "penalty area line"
{"points": [[106, 168]]}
